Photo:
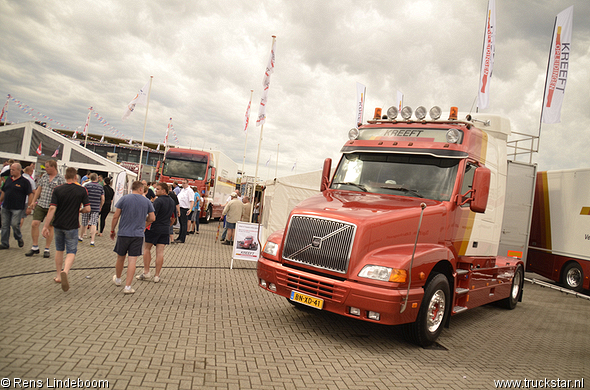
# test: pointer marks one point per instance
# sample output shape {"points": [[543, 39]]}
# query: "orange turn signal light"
{"points": [[398, 275]]}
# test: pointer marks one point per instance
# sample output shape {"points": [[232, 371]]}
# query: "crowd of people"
{"points": [[145, 217]]}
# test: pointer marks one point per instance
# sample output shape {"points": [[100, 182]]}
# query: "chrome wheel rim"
{"points": [[516, 284], [573, 277], [436, 311]]}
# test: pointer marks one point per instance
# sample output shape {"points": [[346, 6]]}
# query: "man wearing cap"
{"points": [[232, 212]]}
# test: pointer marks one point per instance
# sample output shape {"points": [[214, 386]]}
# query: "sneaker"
{"points": [[92, 244], [226, 243], [21, 243], [2, 246], [128, 291], [143, 276], [32, 252], [115, 281], [156, 279], [46, 254], [80, 239]]}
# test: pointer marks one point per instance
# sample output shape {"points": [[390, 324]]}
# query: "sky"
{"points": [[61, 57]]}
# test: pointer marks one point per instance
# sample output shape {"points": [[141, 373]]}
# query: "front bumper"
{"points": [[340, 296]]}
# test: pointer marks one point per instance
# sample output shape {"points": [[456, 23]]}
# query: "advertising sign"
{"points": [[246, 245]]}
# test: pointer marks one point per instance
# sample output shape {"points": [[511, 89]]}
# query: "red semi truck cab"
{"points": [[408, 229]]}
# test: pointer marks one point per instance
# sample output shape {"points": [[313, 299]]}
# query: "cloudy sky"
{"points": [[61, 57]]}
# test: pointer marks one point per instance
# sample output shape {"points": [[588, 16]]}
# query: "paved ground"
{"points": [[206, 326]]}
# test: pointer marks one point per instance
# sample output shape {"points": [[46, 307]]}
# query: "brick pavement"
{"points": [[206, 326]]}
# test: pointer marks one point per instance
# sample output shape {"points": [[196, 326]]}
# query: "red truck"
{"points": [[423, 219]]}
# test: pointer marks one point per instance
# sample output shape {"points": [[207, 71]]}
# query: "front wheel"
{"points": [[434, 310], [208, 214], [573, 277], [515, 290]]}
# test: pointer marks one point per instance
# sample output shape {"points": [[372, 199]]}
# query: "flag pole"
{"points": [[144, 126], [277, 164]]}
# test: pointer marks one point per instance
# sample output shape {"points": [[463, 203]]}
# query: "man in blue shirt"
{"points": [[132, 209], [96, 196]]}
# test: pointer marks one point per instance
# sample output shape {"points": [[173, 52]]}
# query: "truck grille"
{"points": [[311, 285], [318, 242]]}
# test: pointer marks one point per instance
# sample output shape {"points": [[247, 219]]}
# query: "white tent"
{"points": [[281, 195], [21, 141]]}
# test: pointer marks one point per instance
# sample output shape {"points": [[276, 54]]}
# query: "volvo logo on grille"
{"points": [[316, 242]]}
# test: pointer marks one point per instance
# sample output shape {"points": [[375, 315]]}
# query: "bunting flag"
{"points": [[56, 153], [361, 94], [247, 118], [36, 115], [270, 67], [85, 132], [140, 98], [40, 149], [5, 108], [487, 58], [557, 67]]}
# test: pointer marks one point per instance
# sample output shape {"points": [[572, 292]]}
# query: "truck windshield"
{"points": [[192, 170], [397, 174]]}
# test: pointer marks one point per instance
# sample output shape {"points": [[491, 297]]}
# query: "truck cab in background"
{"points": [[409, 230]]}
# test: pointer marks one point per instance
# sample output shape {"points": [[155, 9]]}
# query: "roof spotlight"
{"points": [[353, 134], [407, 112], [420, 112], [392, 112], [435, 113]]}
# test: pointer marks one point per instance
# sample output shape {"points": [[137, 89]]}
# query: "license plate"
{"points": [[308, 300]]}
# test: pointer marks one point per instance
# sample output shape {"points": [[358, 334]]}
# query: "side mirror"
{"points": [[212, 180], [326, 174], [481, 190]]}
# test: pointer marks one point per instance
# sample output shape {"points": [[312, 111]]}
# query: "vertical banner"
{"points": [[361, 93], [270, 68], [120, 183], [85, 132], [400, 100], [247, 117], [557, 67], [487, 58]]}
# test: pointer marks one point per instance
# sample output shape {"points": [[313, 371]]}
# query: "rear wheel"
{"points": [[433, 313], [573, 277], [515, 290]]}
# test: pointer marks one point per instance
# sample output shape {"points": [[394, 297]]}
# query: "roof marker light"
{"points": [[353, 133], [407, 112], [392, 112], [377, 115], [454, 113], [435, 113], [420, 112]]}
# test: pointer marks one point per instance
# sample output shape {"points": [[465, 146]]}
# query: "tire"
{"points": [[434, 310], [572, 277], [515, 290], [208, 214]]}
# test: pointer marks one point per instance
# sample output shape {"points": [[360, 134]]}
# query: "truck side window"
{"points": [[467, 182]]}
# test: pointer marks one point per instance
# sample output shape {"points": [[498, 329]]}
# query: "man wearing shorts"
{"points": [[46, 185], [65, 207], [233, 213], [132, 209], [157, 233], [96, 196]]}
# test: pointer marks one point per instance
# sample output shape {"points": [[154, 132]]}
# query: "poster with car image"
{"points": [[246, 245]]}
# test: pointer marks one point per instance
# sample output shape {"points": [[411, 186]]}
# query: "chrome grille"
{"points": [[318, 242]]}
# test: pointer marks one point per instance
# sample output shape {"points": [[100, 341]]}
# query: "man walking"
{"points": [[96, 196], [132, 209], [42, 198], [233, 213], [186, 202], [65, 207], [15, 190], [157, 233]]}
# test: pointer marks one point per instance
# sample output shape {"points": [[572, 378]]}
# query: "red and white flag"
{"points": [[247, 118], [487, 58], [140, 98], [4, 108], [270, 68], [56, 153], [167, 131], [40, 149], [557, 67], [87, 121]]}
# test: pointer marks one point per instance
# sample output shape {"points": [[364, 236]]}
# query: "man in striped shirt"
{"points": [[96, 197]]}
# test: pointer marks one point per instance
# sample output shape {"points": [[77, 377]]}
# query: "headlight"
{"points": [[271, 248], [384, 274]]}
